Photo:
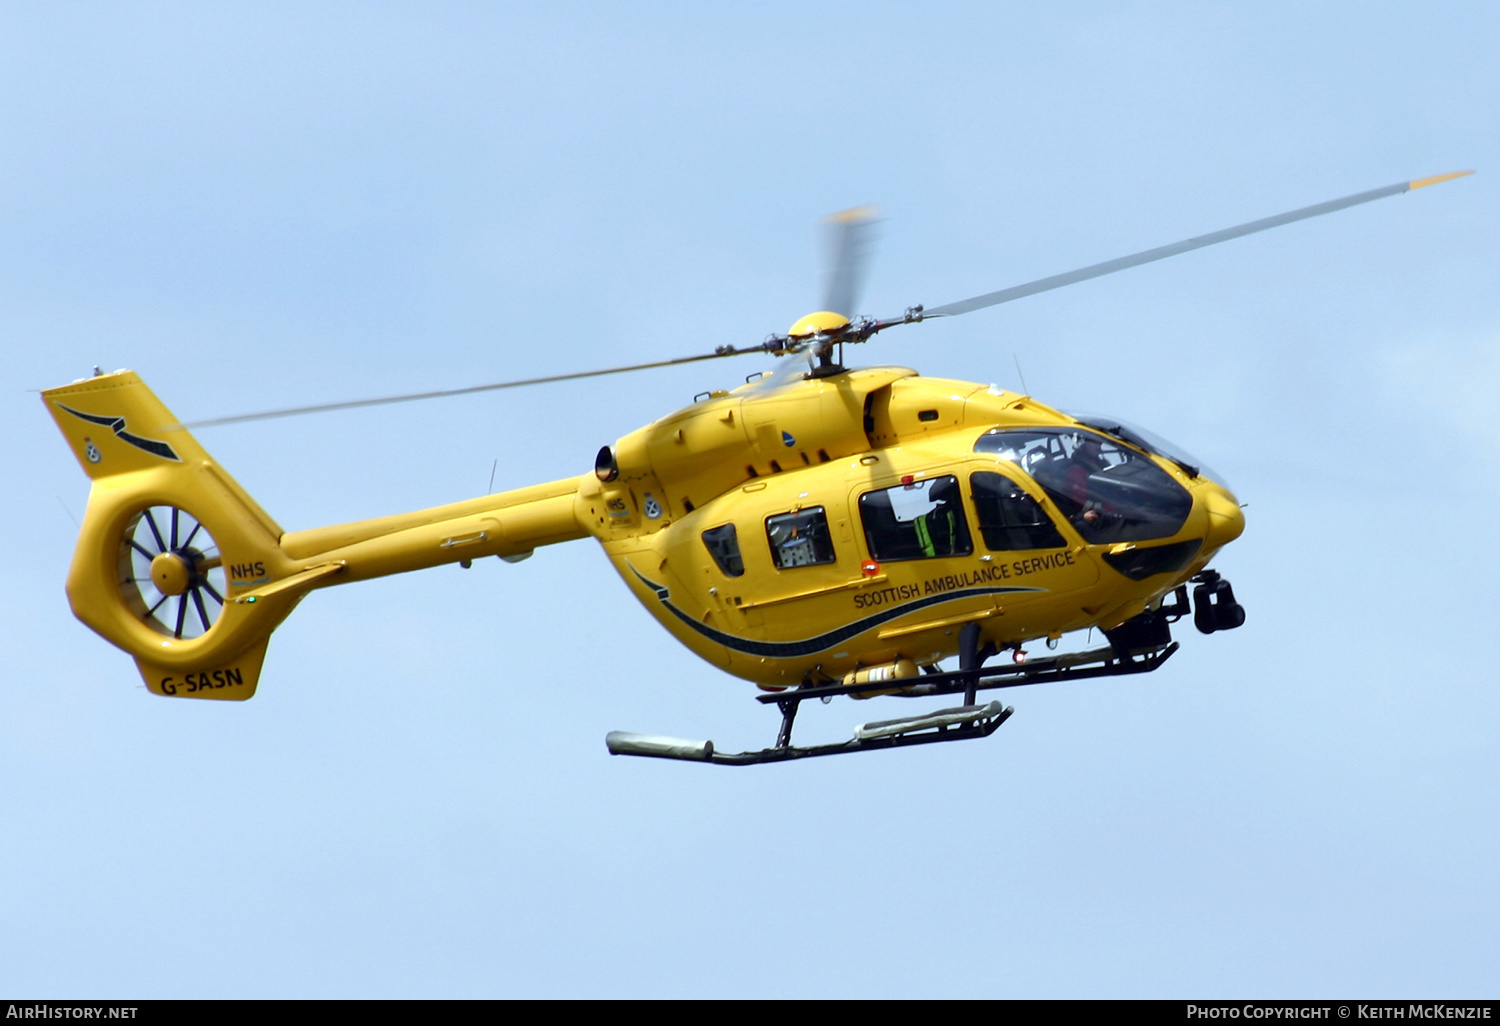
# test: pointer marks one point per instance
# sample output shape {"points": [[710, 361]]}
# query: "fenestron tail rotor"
{"points": [[171, 573]]}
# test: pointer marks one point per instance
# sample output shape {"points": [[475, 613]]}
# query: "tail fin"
{"points": [[179, 567], [171, 550]]}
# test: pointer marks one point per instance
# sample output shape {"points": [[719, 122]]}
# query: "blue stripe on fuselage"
{"points": [[808, 646]]}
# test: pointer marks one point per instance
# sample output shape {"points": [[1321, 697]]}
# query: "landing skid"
{"points": [[970, 720], [943, 725]]}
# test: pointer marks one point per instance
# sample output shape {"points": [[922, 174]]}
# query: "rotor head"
{"points": [[824, 322]]}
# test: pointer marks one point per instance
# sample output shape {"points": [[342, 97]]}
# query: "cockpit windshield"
{"points": [[1109, 492], [1152, 443]]}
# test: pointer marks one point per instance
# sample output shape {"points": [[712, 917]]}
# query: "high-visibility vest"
{"points": [[924, 534]]}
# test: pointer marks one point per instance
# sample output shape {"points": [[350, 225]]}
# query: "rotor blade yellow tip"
{"points": [[1420, 182], [854, 215]]}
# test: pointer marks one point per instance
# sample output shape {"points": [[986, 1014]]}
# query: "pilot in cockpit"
{"points": [[1086, 460]]}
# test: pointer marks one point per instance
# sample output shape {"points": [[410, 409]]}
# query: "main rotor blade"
{"points": [[1057, 281], [793, 366], [851, 235], [294, 411]]}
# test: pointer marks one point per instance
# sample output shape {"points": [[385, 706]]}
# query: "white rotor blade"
{"points": [[1057, 281], [851, 236], [409, 397]]}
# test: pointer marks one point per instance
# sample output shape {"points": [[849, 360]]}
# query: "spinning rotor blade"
{"points": [[851, 236], [1057, 281], [796, 365], [294, 411]]}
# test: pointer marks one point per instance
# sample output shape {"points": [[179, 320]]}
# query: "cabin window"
{"points": [[920, 520], [1009, 519], [724, 545], [800, 538]]}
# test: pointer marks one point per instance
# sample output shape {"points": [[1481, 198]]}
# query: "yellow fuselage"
{"points": [[743, 523], [743, 458]]}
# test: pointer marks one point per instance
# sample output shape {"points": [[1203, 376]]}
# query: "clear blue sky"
{"points": [[263, 205]]}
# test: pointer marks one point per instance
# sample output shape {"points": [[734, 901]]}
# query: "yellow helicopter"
{"points": [[819, 531]]}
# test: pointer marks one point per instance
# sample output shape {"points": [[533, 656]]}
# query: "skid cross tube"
{"points": [[1099, 662]]}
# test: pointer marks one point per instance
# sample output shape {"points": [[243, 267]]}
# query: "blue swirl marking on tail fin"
{"points": [[117, 425]]}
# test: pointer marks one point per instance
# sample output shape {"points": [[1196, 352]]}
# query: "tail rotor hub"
{"points": [[171, 572]]}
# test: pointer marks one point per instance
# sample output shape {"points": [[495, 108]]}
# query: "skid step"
{"points": [[941, 718], [957, 724]]}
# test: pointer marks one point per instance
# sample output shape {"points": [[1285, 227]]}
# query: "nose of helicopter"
{"points": [[1226, 521]]}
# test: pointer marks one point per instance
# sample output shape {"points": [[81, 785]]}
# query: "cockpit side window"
{"points": [[1009, 519], [800, 538], [921, 520], [1108, 491], [724, 545]]}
